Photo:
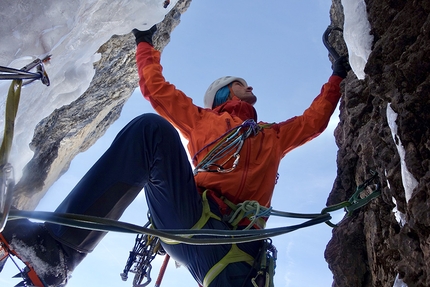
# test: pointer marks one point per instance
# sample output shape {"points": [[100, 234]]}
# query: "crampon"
{"points": [[27, 274]]}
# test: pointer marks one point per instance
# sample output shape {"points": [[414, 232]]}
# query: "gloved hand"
{"points": [[144, 36], [341, 67]]}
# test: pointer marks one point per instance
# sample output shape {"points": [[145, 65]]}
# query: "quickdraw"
{"points": [[145, 249], [364, 193], [266, 265], [7, 73], [7, 181]]}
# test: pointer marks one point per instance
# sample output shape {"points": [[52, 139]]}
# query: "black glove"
{"points": [[144, 36], [341, 67]]}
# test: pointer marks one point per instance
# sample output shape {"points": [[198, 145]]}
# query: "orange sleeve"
{"points": [[301, 129], [169, 102]]}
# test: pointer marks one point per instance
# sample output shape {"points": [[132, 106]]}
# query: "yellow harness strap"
{"points": [[206, 215], [233, 256]]}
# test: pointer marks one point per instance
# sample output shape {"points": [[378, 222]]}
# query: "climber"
{"points": [[148, 154]]}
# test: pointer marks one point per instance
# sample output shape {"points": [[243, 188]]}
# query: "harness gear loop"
{"points": [[234, 255]]}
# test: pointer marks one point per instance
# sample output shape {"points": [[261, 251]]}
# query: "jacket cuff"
{"points": [[335, 80]]}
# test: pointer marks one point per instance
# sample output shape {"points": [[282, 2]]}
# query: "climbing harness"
{"points": [[7, 181], [233, 256], [146, 247], [230, 141]]}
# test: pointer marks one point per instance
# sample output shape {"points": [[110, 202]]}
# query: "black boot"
{"points": [[46, 259]]}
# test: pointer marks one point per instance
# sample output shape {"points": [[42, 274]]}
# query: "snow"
{"points": [[58, 28], [400, 216], [356, 32], [408, 180], [29, 254], [399, 282]]}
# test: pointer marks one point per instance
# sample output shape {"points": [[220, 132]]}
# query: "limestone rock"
{"points": [[372, 247], [73, 128]]}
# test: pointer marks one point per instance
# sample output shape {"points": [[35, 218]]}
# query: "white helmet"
{"points": [[216, 85]]}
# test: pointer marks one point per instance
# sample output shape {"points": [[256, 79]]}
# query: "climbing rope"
{"points": [[179, 235], [230, 141], [219, 236]]}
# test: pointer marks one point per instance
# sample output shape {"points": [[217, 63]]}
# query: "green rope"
{"points": [[179, 235]]}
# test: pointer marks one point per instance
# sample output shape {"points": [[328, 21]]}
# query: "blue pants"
{"points": [[148, 154]]}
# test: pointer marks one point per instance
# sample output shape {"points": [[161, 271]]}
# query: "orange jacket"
{"points": [[255, 176]]}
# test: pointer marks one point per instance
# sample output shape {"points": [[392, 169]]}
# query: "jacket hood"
{"points": [[238, 108]]}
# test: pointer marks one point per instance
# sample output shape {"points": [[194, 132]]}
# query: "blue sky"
{"points": [[276, 47]]}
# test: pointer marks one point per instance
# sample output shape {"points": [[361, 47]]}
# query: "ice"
{"points": [[72, 31], [408, 180], [399, 282], [400, 216], [357, 36]]}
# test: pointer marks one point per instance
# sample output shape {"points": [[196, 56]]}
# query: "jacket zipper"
{"points": [[245, 171], [227, 121]]}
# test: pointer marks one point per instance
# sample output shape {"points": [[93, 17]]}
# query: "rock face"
{"points": [[72, 129], [372, 247]]}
